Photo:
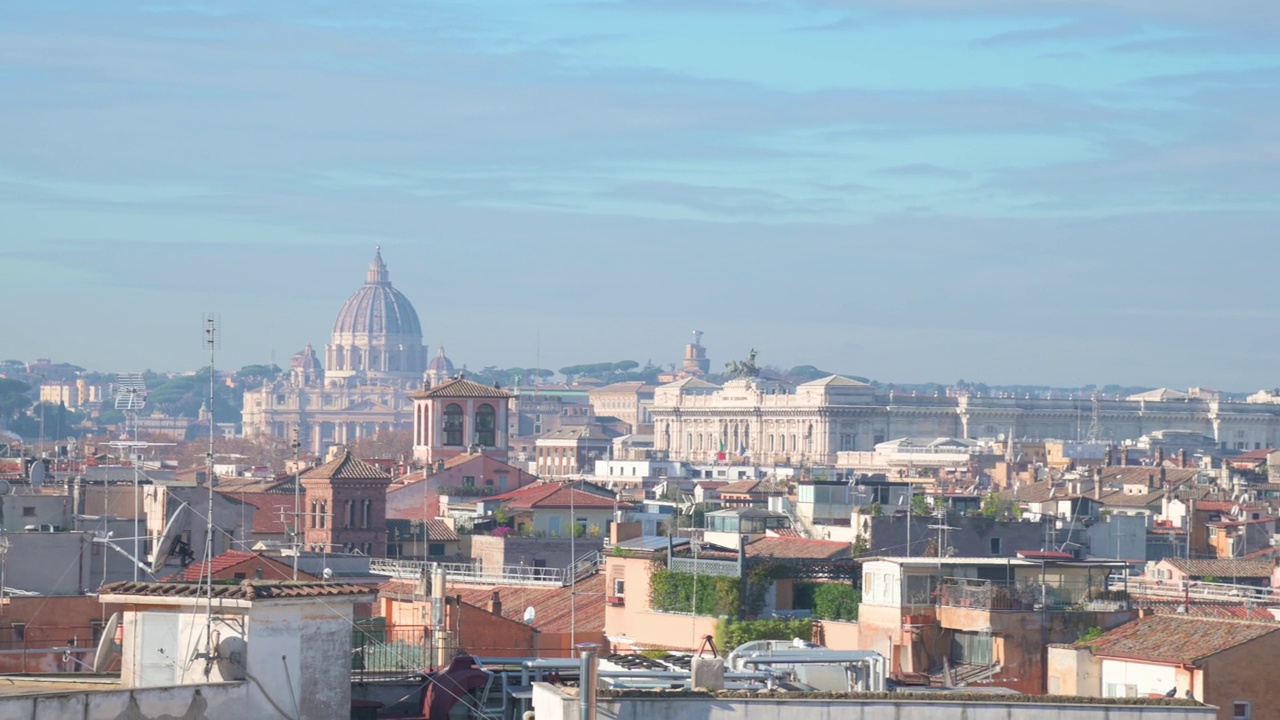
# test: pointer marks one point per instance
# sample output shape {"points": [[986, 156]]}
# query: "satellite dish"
{"points": [[5, 488], [164, 545], [107, 647], [37, 474], [1000, 437], [327, 574], [530, 615]]}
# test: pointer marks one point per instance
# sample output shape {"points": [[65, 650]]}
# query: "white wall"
{"points": [[1147, 678], [221, 701]]}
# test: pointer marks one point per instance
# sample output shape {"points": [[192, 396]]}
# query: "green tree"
{"points": [[920, 505], [836, 601], [14, 400]]}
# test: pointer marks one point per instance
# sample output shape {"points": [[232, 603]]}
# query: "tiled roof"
{"points": [[1225, 506], [751, 487], [551, 605], [346, 467], [245, 590], [226, 560], [267, 520], [1223, 568], [437, 530], [555, 495], [797, 548], [1177, 639], [1119, 498], [1147, 474], [462, 387], [1202, 609]]}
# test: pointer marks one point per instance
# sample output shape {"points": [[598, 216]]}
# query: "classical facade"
{"points": [[774, 423], [374, 357]]}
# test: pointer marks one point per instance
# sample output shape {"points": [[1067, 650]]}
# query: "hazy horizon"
{"points": [[1041, 193]]}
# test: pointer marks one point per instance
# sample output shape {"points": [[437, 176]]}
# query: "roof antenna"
{"points": [[212, 341]]}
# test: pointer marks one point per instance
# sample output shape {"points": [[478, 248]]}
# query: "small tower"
{"points": [[346, 508], [459, 416], [695, 357]]}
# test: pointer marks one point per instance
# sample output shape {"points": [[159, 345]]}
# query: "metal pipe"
{"points": [[587, 679]]}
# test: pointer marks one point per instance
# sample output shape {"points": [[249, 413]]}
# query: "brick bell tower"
{"points": [[346, 506]]}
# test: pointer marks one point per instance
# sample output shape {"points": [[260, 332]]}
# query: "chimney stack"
{"points": [[1182, 458], [1124, 457], [495, 604]]}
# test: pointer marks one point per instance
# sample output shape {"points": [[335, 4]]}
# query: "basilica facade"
{"points": [[771, 423], [375, 357]]}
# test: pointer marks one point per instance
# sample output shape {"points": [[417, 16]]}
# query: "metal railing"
{"points": [[1196, 590], [470, 574], [376, 650], [1031, 595]]}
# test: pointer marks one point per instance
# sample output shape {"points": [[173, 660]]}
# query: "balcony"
{"points": [[1030, 596]]}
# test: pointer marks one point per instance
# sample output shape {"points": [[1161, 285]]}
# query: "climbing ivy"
{"points": [[672, 591]]}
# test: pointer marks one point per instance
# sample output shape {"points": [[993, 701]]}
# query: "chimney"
{"points": [[495, 604], [1182, 458], [1097, 484], [1107, 461], [1124, 457], [1164, 477], [1160, 455]]}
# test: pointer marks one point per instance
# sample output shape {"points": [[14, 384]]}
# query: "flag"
{"points": [[720, 455]]}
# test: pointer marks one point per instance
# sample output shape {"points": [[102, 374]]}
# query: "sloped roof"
{"points": [[834, 381], [1146, 473], [799, 549], [552, 611], [1223, 568], [437, 530], [1159, 394], [226, 561], [268, 518], [245, 590], [751, 487], [461, 387], [346, 467], [556, 495], [692, 383], [1177, 639]]}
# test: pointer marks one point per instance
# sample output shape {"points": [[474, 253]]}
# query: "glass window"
{"points": [[453, 425], [486, 435]]}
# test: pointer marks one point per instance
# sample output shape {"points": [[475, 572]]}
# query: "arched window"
{"points": [[315, 514], [366, 518], [485, 426], [350, 513], [453, 425], [324, 514]]}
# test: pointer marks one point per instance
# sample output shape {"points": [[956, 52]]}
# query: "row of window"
{"points": [[320, 514], [485, 426]]}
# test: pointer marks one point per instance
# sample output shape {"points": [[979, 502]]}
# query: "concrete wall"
{"points": [[53, 563], [838, 635], [550, 703], [492, 553], [635, 624], [227, 700], [1073, 671], [19, 511], [1239, 674], [1146, 678]]}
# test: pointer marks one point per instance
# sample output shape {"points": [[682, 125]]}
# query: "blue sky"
{"points": [[917, 190]]}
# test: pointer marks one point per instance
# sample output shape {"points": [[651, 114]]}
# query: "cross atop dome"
{"points": [[378, 274]]}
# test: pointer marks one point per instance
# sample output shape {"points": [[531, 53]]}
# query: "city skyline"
{"points": [[1015, 193]]}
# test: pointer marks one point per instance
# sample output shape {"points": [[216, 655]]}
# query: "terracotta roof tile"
{"points": [[245, 590], [227, 559], [462, 387], [797, 548], [345, 467], [751, 487], [1223, 568], [1177, 639], [551, 605], [556, 495]]}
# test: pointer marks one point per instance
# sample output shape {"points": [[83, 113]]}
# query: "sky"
{"points": [[1005, 191]]}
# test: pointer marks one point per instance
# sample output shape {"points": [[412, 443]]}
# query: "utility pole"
{"points": [[297, 502]]}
